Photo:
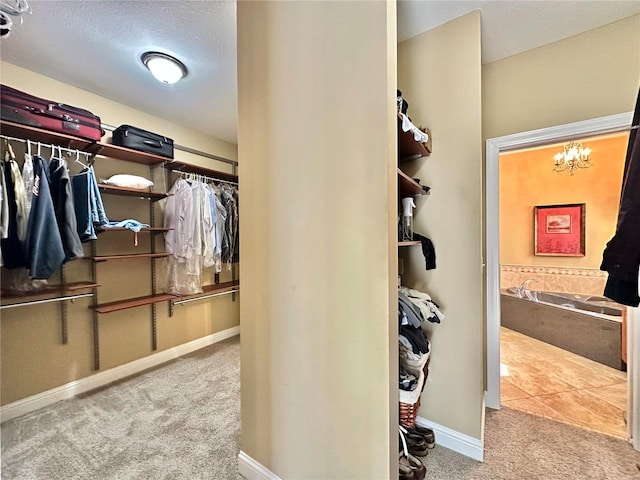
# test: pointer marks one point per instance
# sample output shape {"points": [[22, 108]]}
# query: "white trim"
{"points": [[253, 470], [71, 389], [494, 146], [456, 441]]}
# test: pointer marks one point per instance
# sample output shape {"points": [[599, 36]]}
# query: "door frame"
{"points": [[495, 146]]}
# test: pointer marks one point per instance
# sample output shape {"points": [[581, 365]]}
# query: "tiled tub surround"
{"points": [[554, 279], [585, 332]]}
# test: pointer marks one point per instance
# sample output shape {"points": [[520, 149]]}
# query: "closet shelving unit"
{"points": [[216, 289], [70, 291], [408, 149]]}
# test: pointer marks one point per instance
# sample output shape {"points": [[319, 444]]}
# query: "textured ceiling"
{"points": [[510, 27], [96, 45]]}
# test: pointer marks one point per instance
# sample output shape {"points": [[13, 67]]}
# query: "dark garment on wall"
{"points": [[64, 208], [13, 253], [428, 251], [43, 244], [621, 257]]}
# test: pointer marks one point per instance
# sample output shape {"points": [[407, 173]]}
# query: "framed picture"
{"points": [[559, 230]]}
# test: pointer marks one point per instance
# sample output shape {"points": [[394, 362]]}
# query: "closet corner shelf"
{"points": [[131, 303], [408, 187], [104, 258], [122, 229], [409, 243], [44, 136], [61, 289], [132, 192], [408, 148], [207, 172], [122, 153]]}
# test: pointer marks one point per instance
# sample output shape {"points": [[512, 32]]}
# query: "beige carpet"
{"points": [[178, 421], [519, 446], [181, 421]]}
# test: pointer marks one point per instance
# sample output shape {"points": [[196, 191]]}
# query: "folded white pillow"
{"points": [[130, 181]]}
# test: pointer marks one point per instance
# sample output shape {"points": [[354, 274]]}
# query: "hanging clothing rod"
{"points": [[182, 148], [197, 175], [204, 297], [47, 145], [56, 299]]}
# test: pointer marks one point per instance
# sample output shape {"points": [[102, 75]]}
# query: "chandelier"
{"points": [[571, 157]]}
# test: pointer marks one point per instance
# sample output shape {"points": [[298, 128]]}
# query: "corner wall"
{"points": [[33, 359], [318, 309], [439, 75]]}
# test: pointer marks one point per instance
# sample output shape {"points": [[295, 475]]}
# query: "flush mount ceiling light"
{"points": [[572, 156], [164, 67]]}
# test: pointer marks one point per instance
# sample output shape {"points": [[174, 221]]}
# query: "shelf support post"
{"points": [[63, 311], [154, 310], [96, 339]]}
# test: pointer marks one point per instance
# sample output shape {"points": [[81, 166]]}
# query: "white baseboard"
{"points": [[252, 470], [456, 441], [100, 379]]}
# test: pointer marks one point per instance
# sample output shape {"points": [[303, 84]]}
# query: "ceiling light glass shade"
{"points": [[163, 67], [572, 157]]}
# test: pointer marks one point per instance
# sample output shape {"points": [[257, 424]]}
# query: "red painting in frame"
{"points": [[559, 230]]}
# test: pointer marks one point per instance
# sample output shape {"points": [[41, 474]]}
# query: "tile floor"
{"points": [[544, 380]]}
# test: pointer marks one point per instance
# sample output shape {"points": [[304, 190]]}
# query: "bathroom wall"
{"points": [[527, 179]]}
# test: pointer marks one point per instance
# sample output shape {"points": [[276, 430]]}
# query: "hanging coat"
{"points": [[621, 257], [43, 245], [64, 208]]}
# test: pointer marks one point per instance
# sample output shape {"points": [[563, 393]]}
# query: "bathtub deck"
{"points": [[588, 335], [544, 380]]}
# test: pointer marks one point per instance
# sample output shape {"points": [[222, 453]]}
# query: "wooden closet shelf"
{"points": [[104, 258], [207, 172], [408, 187], [36, 134], [212, 289], [122, 229], [122, 153], [131, 303], [409, 243], [408, 148], [49, 290], [131, 192]]}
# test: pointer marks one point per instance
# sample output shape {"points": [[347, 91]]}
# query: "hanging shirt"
{"points": [[43, 245], [64, 208], [12, 248], [22, 212], [87, 204], [27, 178]]}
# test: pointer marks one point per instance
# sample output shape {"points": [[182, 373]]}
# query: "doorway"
{"points": [[532, 139]]}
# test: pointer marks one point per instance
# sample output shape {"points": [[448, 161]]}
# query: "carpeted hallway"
{"points": [[181, 421]]}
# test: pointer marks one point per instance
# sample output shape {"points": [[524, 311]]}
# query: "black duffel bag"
{"points": [[143, 141]]}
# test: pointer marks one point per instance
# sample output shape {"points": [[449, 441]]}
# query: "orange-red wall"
{"points": [[527, 179]]}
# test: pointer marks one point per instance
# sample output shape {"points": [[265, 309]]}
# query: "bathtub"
{"points": [[587, 325]]}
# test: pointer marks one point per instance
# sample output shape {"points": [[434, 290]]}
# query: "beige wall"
{"points": [[318, 309], [590, 75], [32, 356], [439, 75]]}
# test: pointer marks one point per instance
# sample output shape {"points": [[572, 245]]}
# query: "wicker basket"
{"points": [[408, 413]]}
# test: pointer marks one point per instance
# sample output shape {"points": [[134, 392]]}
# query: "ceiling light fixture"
{"points": [[165, 68], [571, 157]]}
